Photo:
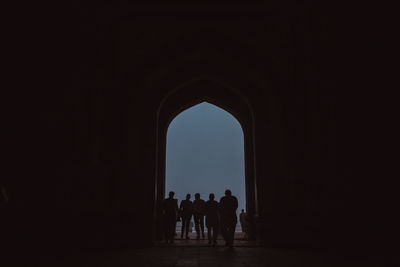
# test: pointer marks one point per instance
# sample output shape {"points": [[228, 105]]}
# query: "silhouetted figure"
{"points": [[190, 227], [186, 211], [170, 215], [228, 206], [211, 210], [178, 219], [243, 222], [198, 214]]}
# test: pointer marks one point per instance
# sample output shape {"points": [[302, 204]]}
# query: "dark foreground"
{"points": [[199, 255]]}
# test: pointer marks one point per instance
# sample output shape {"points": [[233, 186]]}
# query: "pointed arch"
{"points": [[205, 154], [220, 95]]}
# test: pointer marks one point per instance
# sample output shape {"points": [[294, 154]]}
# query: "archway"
{"points": [[205, 154], [221, 96]]}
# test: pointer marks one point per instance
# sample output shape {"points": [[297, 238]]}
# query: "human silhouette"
{"points": [[243, 222], [212, 219], [190, 226], [228, 206], [170, 215], [186, 211], [198, 214]]}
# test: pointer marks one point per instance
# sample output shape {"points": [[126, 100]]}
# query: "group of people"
{"points": [[217, 216]]}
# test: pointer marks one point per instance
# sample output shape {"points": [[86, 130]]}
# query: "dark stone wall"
{"points": [[81, 117]]}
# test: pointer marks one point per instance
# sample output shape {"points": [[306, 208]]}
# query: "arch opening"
{"points": [[205, 154], [232, 103]]}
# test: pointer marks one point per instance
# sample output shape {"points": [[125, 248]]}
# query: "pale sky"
{"points": [[205, 154]]}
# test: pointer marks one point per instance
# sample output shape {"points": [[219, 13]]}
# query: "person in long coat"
{"points": [[170, 215], [211, 210], [186, 211], [228, 206]]}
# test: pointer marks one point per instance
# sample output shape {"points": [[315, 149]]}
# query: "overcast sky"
{"points": [[205, 154]]}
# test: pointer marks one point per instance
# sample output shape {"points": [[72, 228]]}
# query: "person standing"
{"points": [[228, 206], [170, 215], [190, 226], [212, 220], [186, 210], [243, 222], [198, 214]]}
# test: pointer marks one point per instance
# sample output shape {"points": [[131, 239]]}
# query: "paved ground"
{"points": [[216, 257], [197, 253]]}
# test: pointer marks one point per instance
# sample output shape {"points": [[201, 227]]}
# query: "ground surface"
{"points": [[200, 256], [197, 253]]}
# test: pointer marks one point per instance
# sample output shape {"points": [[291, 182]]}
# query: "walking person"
{"points": [[243, 222], [170, 214], [186, 210], [228, 206], [212, 219], [198, 214]]}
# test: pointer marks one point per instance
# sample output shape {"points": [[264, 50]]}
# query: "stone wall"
{"points": [[83, 131]]}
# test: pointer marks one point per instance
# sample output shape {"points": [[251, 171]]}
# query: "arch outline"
{"points": [[231, 100]]}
